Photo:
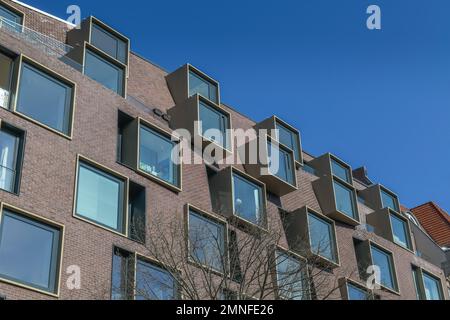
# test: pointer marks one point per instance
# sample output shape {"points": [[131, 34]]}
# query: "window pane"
{"points": [[416, 279], [321, 236], [153, 283], [355, 293], [248, 200], [100, 197], [389, 201], [284, 170], [122, 273], [432, 287], [344, 199], [156, 156], [28, 252], [400, 231], [104, 72], [109, 43], [384, 261], [340, 171], [6, 65], [290, 139], [216, 123], [291, 276], [44, 99], [206, 240], [9, 15], [202, 87], [9, 145]]}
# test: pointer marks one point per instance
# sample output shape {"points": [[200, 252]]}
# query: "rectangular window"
{"points": [[214, 125], [400, 231], [203, 87], [104, 72], [6, 71], [45, 99], [122, 275], [207, 242], [109, 43], [322, 238], [29, 252], [10, 15], [389, 201], [357, 293], [100, 197], [340, 171], [156, 156], [290, 139], [384, 261], [432, 287], [248, 200], [285, 170], [345, 199], [291, 277], [154, 283], [11, 148]]}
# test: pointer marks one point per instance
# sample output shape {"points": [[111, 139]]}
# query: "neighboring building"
{"points": [[435, 221], [85, 144]]}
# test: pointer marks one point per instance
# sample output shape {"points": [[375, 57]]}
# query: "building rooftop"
{"points": [[435, 221]]}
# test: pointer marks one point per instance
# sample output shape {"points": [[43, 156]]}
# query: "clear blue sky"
{"points": [[374, 98]]}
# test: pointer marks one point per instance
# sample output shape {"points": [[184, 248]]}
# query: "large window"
{"points": [[290, 139], [6, 70], [322, 238], [207, 242], [248, 200], [45, 99], [29, 252], [400, 231], [156, 153], [203, 87], [11, 145], [107, 73], [291, 277], [356, 293], [383, 260], [389, 201], [109, 43], [285, 170], [428, 287], [100, 197], [345, 199], [154, 283], [214, 125], [341, 171], [10, 15]]}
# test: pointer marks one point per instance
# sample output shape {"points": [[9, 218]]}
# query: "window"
{"points": [[10, 15], [291, 277], [281, 167], [6, 70], [385, 262], [154, 283], [45, 99], [100, 197], [156, 156], [345, 200], [340, 171], [400, 231], [29, 252], [109, 43], [389, 201], [11, 148], [203, 87], [214, 125], [428, 287], [248, 200], [322, 238], [290, 139], [207, 242], [357, 293], [122, 275], [107, 73]]}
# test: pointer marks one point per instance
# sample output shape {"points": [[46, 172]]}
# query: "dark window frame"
{"points": [[20, 154]]}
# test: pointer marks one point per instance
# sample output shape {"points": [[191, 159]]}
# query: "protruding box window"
{"points": [[379, 197], [110, 43], [202, 86], [322, 237]]}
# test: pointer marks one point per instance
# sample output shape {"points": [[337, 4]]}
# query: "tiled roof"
{"points": [[435, 221]]}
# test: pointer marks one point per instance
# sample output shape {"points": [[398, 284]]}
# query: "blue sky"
{"points": [[374, 98]]}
